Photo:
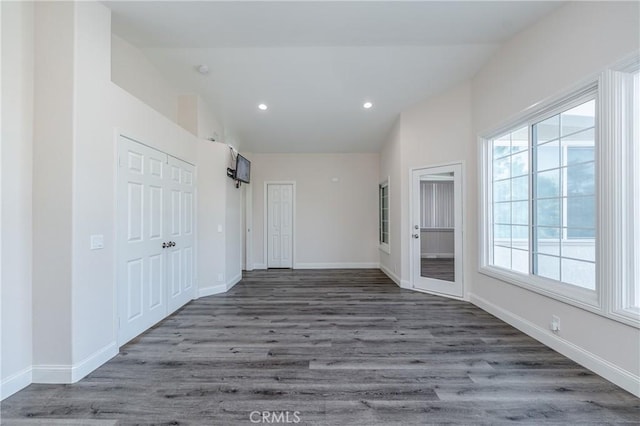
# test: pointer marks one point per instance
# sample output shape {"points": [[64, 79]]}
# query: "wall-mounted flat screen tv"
{"points": [[243, 169]]}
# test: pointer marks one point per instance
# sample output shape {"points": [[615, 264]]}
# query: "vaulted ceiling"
{"points": [[314, 64]]}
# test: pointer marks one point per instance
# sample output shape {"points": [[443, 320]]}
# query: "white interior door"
{"points": [[180, 253], [141, 218], [155, 253], [279, 226], [436, 230]]}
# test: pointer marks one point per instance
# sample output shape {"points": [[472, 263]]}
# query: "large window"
{"points": [[543, 196], [561, 197], [383, 224]]}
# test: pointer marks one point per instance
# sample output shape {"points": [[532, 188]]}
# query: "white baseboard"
{"points": [[72, 373], [406, 284], [259, 266], [363, 265], [387, 272], [47, 373], [220, 288], [235, 280], [93, 361], [625, 379], [15, 382], [210, 291]]}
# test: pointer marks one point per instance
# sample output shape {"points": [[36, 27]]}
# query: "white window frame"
{"points": [[384, 246], [614, 201], [618, 128]]}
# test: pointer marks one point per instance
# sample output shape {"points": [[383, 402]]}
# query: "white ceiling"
{"points": [[315, 63]]}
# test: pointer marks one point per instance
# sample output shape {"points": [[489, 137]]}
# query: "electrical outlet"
{"points": [[555, 324], [220, 277]]}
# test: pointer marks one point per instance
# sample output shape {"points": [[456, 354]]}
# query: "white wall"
{"points": [[16, 154], [94, 167], [218, 207], [131, 70], [391, 168], [52, 184], [233, 232], [438, 131], [561, 50], [336, 222], [572, 44], [79, 117]]}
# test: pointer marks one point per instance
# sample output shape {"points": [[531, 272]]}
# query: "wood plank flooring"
{"points": [[441, 269], [339, 347]]}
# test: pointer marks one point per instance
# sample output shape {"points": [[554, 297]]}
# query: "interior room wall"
{"points": [[552, 56], [391, 168], [336, 221], [94, 170], [52, 185], [195, 116], [17, 26], [434, 132], [218, 220], [568, 47], [234, 233], [131, 70]]}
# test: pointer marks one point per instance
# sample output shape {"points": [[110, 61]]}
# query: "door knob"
{"points": [[416, 236], [173, 243]]}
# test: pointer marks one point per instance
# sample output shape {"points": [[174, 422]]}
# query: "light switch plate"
{"points": [[97, 242], [219, 228]]}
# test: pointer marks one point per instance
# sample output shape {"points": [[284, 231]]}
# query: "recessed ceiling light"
{"points": [[263, 107], [203, 69], [367, 105]]}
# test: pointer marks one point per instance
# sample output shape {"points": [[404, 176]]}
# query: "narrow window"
{"points": [[383, 225]]}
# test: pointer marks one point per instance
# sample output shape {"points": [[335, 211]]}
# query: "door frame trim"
{"points": [[265, 215], [412, 202]]}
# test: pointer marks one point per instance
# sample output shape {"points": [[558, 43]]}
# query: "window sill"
{"points": [[385, 248], [581, 298], [587, 300]]}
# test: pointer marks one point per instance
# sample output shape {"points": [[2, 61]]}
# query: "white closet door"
{"points": [[156, 233], [279, 226], [141, 227], [180, 220]]}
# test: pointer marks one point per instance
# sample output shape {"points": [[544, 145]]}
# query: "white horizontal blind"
{"points": [[437, 204]]}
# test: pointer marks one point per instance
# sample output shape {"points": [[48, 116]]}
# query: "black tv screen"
{"points": [[243, 169]]}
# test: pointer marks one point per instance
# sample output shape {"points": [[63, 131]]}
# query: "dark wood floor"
{"points": [[441, 269], [339, 347]]}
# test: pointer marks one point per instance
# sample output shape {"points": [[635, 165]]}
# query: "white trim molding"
{"points": [[16, 382], [220, 288], [354, 265], [625, 379], [210, 291], [390, 274], [72, 373], [233, 281]]}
